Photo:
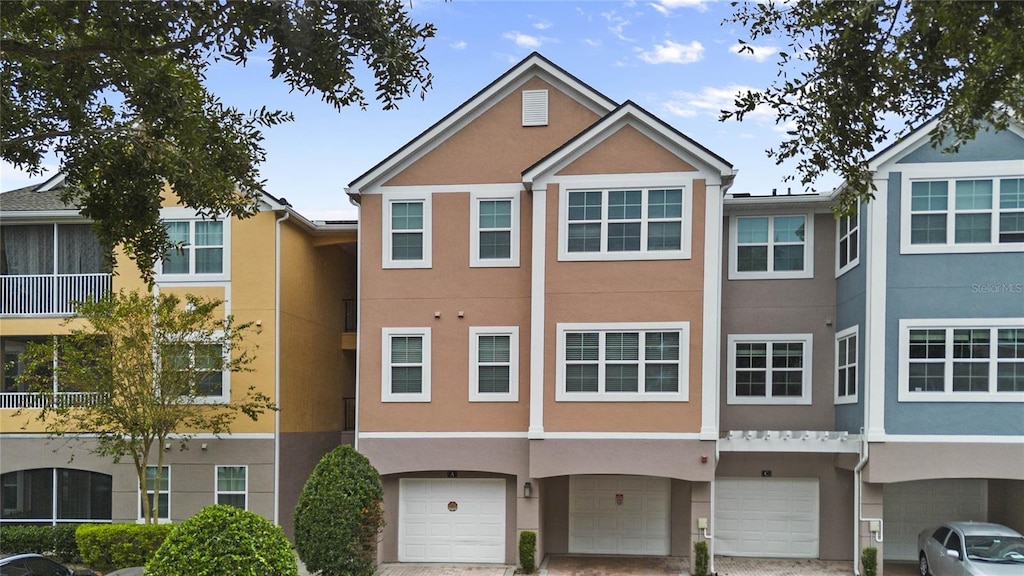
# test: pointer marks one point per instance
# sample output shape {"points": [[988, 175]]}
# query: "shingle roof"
{"points": [[29, 199]]}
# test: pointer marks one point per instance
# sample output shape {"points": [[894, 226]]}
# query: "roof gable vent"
{"points": [[535, 107]]}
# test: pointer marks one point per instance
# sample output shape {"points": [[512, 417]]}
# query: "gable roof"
{"points": [[44, 197], [633, 114], [917, 137], [532, 65]]}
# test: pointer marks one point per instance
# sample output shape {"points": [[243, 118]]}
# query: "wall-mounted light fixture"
{"points": [[167, 446], [527, 490], [205, 446]]}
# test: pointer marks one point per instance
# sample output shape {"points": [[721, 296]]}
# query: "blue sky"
{"points": [[676, 58]]}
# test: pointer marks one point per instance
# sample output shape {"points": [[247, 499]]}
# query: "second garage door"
{"points": [[913, 506], [451, 520], [619, 515], [766, 517]]}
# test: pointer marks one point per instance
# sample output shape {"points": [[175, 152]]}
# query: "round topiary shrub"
{"points": [[224, 540], [339, 515]]}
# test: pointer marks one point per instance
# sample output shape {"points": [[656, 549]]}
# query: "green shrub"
{"points": [[223, 540], [112, 546], [869, 561], [57, 541], [528, 551], [700, 558], [339, 516]]}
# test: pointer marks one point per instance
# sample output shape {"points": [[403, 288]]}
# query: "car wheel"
{"points": [[923, 566]]}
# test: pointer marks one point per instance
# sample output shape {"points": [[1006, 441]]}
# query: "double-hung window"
{"points": [[405, 365], [769, 368], [206, 362], [848, 244], [623, 362], [407, 231], [966, 360], [198, 248], [159, 495], [771, 247], [494, 364], [494, 239], [846, 366], [232, 486], [643, 223], [964, 215]]}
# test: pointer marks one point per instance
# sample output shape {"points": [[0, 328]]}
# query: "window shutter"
{"points": [[535, 107]]}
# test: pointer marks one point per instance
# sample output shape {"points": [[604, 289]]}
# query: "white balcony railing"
{"points": [[49, 294], [11, 400]]}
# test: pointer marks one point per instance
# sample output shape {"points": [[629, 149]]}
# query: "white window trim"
{"points": [[803, 400], [951, 172], [476, 196], [807, 272], [854, 220], [216, 484], [683, 395], [385, 365], [192, 216], [513, 372], [905, 395], [159, 520], [225, 387], [841, 336], [390, 197], [643, 182]]}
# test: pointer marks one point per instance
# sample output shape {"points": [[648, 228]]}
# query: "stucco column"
{"points": [[528, 515], [700, 507], [871, 508]]}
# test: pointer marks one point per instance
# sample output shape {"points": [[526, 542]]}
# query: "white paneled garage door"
{"points": [[619, 515], [451, 520], [766, 517], [910, 507]]}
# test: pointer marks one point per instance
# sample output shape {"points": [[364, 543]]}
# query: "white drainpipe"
{"points": [[856, 502], [277, 367]]}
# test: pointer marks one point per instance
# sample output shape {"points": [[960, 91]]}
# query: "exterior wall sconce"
{"points": [[527, 490], [167, 446]]}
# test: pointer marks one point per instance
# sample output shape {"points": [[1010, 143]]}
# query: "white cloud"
{"points": [[591, 42], [674, 53], [756, 53], [617, 25], [710, 101], [523, 40], [667, 6], [12, 178], [460, 45], [540, 23]]}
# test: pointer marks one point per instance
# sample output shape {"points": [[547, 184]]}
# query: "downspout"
{"points": [[277, 367], [856, 501]]}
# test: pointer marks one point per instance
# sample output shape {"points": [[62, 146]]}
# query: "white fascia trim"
{"points": [[949, 439], [806, 273], [440, 435], [513, 369], [537, 320], [876, 281], [840, 335], [808, 372], [816, 446], [42, 216], [414, 191], [54, 181], [711, 354], [622, 436], [513, 194]]}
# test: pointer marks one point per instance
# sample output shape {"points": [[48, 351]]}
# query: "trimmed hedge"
{"points": [[57, 541], [701, 558], [112, 546], [528, 551], [339, 516], [222, 540]]}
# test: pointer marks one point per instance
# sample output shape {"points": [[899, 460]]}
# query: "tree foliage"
{"points": [[221, 540], [142, 368], [116, 90], [339, 515], [852, 70]]}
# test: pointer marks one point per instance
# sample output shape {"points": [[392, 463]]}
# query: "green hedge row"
{"points": [[110, 546], [57, 541]]}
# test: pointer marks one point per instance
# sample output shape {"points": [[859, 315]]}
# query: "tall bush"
{"points": [[869, 561], [222, 540], [700, 558], [528, 551], [339, 515], [111, 546]]}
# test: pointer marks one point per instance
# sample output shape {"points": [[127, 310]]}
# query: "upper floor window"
{"points": [[626, 224], [494, 364], [232, 486], [407, 235], [494, 239], [199, 247], [405, 365], [771, 247], [623, 362], [204, 361], [848, 242], [962, 360], [964, 215], [769, 368], [846, 366]]}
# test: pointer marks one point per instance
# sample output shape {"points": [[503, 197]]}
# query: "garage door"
{"points": [[766, 517], [619, 515], [910, 507], [451, 520]]}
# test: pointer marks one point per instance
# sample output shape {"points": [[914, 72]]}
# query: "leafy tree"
{"points": [[339, 515], [220, 540], [850, 68], [143, 366], [116, 90]]}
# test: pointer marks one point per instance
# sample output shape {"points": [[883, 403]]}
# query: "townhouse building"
{"points": [[292, 278]]}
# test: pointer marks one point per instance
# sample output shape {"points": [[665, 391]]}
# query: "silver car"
{"points": [[970, 549]]}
